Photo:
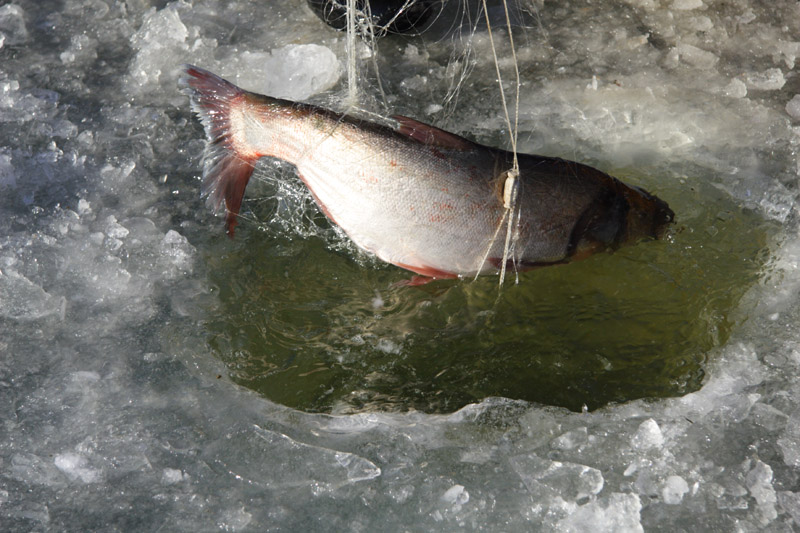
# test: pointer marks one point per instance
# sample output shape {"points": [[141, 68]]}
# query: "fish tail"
{"points": [[226, 169]]}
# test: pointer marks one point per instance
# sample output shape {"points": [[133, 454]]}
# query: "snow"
{"points": [[115, 412]]}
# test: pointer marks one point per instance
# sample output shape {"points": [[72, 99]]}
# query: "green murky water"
{"points": [[309, 326]]}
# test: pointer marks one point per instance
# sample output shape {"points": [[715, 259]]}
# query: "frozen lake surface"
{"points": [[121, 413]]}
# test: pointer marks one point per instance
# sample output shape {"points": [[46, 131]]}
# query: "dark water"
{"points": [[310, 323]]}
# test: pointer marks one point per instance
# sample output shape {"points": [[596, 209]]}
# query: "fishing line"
{"points": [[511, 182], [512, 130], [352, 67], [368, 29], [361, 29]]}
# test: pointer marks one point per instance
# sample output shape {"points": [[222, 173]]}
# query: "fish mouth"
{"points": [[650, 208], [662, 219]]}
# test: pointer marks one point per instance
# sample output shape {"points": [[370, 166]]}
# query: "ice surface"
{"points": [[759, 483], [687, 4], [12, 25], [769, 80], [164, 42], [295, 463], [24, 300], [171, 476], [456, 495], [292, 71], [793, 107], [115, 414], [616, 512], [648, 435], [735, 89], [674, 489], [790, 501], [75, 467], [696, 57], [568, 481]]}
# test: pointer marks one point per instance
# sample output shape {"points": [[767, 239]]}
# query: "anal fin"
{"points": [[225, 179]]}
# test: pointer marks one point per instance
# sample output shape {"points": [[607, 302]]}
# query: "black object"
{"points": [[377, 16]]}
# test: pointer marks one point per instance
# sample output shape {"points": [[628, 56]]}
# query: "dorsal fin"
{"points": [[430, 135]]}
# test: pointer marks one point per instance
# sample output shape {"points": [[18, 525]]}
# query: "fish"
{"points": [[416, 196]]}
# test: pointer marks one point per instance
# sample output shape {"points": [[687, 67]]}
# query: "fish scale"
{"points": [[417, 196]]}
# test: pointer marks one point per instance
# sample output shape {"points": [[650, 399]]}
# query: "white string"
{"points": [[512, 130], [352, 71], [511, 182], [361, 31], [489, 248]]}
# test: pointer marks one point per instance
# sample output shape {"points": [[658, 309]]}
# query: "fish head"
{"points": [[620, 215], [648, 216]]}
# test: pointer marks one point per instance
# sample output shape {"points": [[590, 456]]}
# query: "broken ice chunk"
{"points": [[674, 489], [273, 459], [648, 435], [12, 24], [735, 89], [571, 481], [21, 299], [771, 79], [32, 469], [570, 439], [617, 512], [170, 476], [456, 495], [295, 71], [759, 483], [76, 467], [790, 502], [114, 229], [686, 5], [793, 107], [696, 57], [234, 519]]}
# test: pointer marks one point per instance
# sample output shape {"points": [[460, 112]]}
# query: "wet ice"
{"points": [[116, 414]]}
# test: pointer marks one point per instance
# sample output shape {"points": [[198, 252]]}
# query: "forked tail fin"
{"points": [[226, 170]]}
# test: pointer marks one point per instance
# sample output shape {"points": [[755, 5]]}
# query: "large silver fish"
{"points": [[417, 196]]}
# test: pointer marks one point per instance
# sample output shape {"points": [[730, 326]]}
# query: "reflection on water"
{"points": [[305, 323]]}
